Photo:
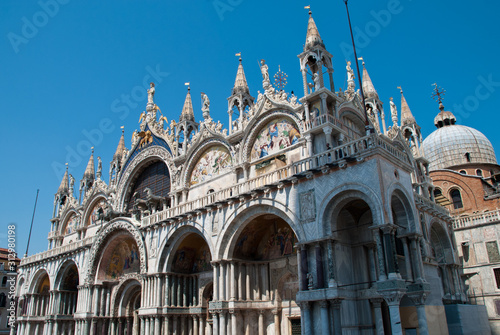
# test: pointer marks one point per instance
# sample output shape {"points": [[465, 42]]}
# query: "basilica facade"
{"points": [[306, 216]]}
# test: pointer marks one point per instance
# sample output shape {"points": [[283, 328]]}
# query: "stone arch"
{"points": [[62, 273], [442, 248], [237, 221], [88, 210], [357, 121], [20, 287], [174, 240], [334, 201], [258, 126], [124, 293], [104, 236], [198, 153], [38, 279], [67, 216], [400, 205], [145, 157]]}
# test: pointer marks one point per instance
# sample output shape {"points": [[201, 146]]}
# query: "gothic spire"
{"points": [[64, 187], [187, 111], [89, 173], [368, 88], [240, 84], [406, 115], [119, 149], [312, 38]]}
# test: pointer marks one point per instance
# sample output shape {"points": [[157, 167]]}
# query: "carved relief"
{"points": [[307, 206]]}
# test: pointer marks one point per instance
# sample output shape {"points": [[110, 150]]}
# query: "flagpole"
{"points": [[367, 124], [31, 227]]}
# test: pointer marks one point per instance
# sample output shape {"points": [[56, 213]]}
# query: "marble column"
{"points": [[195, 324], [330, 245], [233, 281], [261, 322], [337, 321], [304, 269], [319, 266], [157, 325], [377, 314], [258, 280], [422, 320], [222, 322], [215, 323], [306, 322], [216, 281], [234, 322], [277, 325], [325, 320], [240, 281], [248, 270], [416, 258], [382, 273], [166, 325]]}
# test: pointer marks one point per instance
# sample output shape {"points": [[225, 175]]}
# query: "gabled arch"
{"points": [[100, 242], [400, 203], [198, 153], [441, 244], [89, 206], [146, 156], [258, 126]]}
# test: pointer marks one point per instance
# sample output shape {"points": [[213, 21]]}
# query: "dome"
{"points": [[453, 144]]}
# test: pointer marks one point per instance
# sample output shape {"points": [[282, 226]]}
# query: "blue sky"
{"points": [[73, 72]]}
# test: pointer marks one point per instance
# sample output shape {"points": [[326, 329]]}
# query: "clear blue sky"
{"points": [[66, 70]]}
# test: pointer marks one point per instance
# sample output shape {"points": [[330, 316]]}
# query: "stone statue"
{"points": [[394, 112], [265, 71], [206, 106], [71, 184], [99, 168], [151, 93], [315, 79], [350, 72], [310, 283]]}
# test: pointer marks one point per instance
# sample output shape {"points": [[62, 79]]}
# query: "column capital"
{"points": [[335, 303], [261, 311], [323, 303], [377, 301], [305, 305], [388, 228]]}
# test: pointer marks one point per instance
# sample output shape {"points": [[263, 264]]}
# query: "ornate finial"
{"points": [[238, 55], [308, 7], [361, 59], [188, 85], [92, 148], [438, 95], [123, 129], [280, 79], [400, 89]]}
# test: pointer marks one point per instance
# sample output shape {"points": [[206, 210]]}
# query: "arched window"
{"points": [[456, 198], [463, 172], [4, 281], [437, 193], [2, 300], [479, 172], [467, 157]]}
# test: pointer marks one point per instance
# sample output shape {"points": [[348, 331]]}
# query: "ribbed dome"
{"points": [[454, 145]]}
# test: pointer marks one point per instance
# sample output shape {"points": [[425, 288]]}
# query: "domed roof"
{"points": [[453, 144]]}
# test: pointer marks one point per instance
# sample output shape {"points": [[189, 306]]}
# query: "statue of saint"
{"points": [[151, 93], [264, 69], [206, 102], [350, 72], [99, 167]]}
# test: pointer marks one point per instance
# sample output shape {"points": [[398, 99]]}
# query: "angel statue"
{"points": [[206, 106], [99, 167], [394, 112], [151, 93], [71, 184]]}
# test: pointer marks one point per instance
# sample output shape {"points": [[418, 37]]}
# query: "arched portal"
{"points": [[65, 298], [127, 304], [119, 257], [262, 274], [36, 304], [188, 281]]}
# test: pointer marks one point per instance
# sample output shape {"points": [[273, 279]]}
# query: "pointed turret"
{"points": [[187, 111], [64, 187], [312, 38], [368, 88], [239, 101], [88, 176], [406, 115], [240, 84], [116, 163]]}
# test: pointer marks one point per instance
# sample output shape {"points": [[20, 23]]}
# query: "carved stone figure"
{"points": [[310, 281], [99, 168], [265, 71], [315, 78], [71, 184], [394, 112], [350, 72], [151, 93]]}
